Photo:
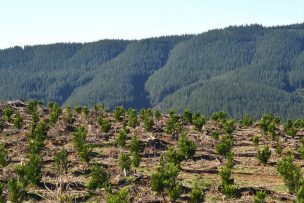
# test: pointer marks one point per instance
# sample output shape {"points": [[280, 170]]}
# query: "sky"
{"points": [[30, 22]]}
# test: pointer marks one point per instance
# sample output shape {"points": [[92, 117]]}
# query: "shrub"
{"points": [[35, 118], [256, 140], [301, 148], [187, 116], [69, 116], [198, 121], [120, 197], [229, 126], [121, 139], [33, 105], [37, 136], [33, 169], [268, 123], [85, 111], [215, 134], [224, 147], [186, 146], [61, 160], [55, 111], [148, 123], [197, 195], [246, 121], [16, 191], [132, 118], [124, 162], [104, 124], [157, 114], [99, 177], [300, 194], [3, 156], [264, 154], [170, 156], [220, 116], [2, 197], [260, 197], [83, 149], [173, 126], [1, 126], [18, 122], [119, 113], [174, 192], [136, 145], [136, 159], [291, 173], [225, 174], [230, 191], [78, 109], [7, 113]]}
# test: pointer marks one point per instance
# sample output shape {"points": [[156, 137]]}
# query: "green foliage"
{"points": [[256, 140], [4, 159], [143, 73], [157, 114], [104, 124], [55, 112], [119, 113], [187, 116], [268, 123], [124, 162], [120, 197], [227, 182], [68, 116], [121, 139], [301, 148], [300, 194], [136, 159], [18, 122], [186, 147], [224, 147], [291, 128], [147, 117], [263, 155], [229, 126], [2, 197], [99, 178], [78, 109], [246, 120], [197, 195], [136, 145], [16, 191], [173, 125], [1, 126], [35, 118], [132, 118], [7, 114], [61, 160], [291, 173], [219, 116], [170, 156], [33, 169], [260, 197], [83, 149], [37, 136], [32, 106], [85, 111], [174, 192], [198, 120], [215, 134]]}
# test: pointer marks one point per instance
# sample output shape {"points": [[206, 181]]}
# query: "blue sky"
{"points": [[28, 22]]}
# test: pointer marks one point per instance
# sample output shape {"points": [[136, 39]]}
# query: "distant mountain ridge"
{"points": [[239, 69]]}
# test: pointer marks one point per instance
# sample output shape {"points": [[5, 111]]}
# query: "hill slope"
{"points": [[238, 69]]}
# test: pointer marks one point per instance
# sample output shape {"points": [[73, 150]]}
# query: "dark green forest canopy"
{"points": [[245, 69]]}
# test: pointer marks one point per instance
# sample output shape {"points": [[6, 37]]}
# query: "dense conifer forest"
{"points": [[246, 69]]}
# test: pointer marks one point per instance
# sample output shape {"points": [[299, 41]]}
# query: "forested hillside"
{"points": [[246, 69]]}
